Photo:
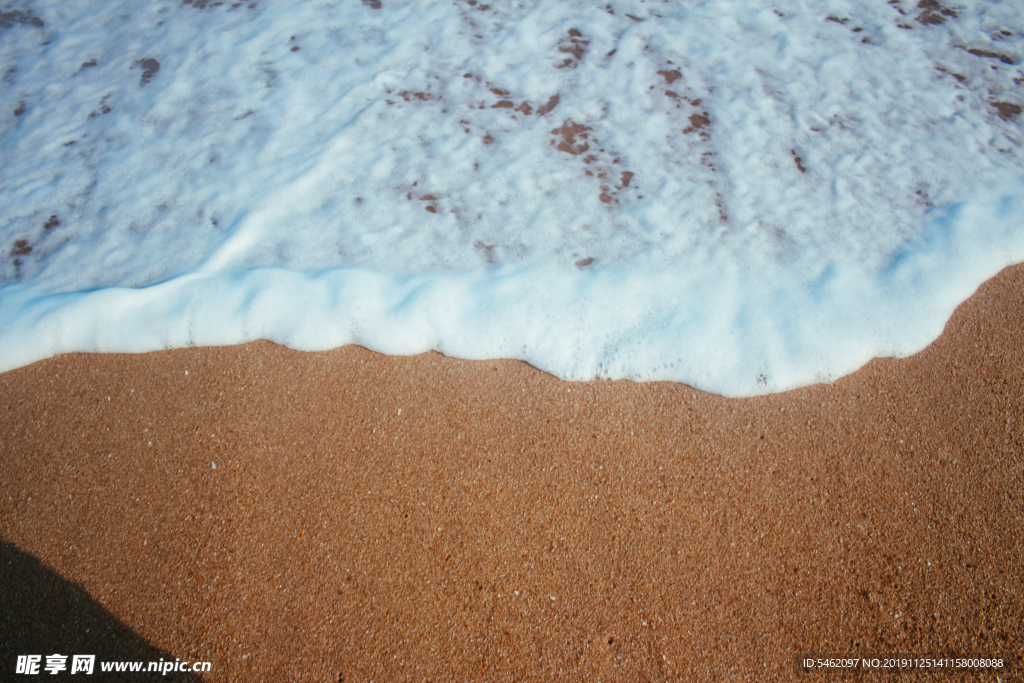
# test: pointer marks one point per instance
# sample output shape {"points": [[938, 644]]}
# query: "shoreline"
{"points": [[410, 518]]}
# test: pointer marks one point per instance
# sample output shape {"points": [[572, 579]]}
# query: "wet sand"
{"points": [[347, 516]]}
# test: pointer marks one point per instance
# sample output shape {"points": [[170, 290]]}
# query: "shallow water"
{"points": [[739, 197]]}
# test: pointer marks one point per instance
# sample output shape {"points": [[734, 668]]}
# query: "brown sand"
{"points": [[392, 519]]}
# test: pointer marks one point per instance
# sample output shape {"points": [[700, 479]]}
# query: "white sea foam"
{"points": [[742, 197]]}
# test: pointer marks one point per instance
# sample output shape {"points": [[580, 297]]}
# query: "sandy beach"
{"points": [[348, 516], [737, 195]]}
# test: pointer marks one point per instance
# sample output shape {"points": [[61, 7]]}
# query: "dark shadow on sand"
{"points": [[43, 614]]}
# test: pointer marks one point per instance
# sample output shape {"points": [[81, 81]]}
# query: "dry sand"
{"points": [[424, 518]]}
